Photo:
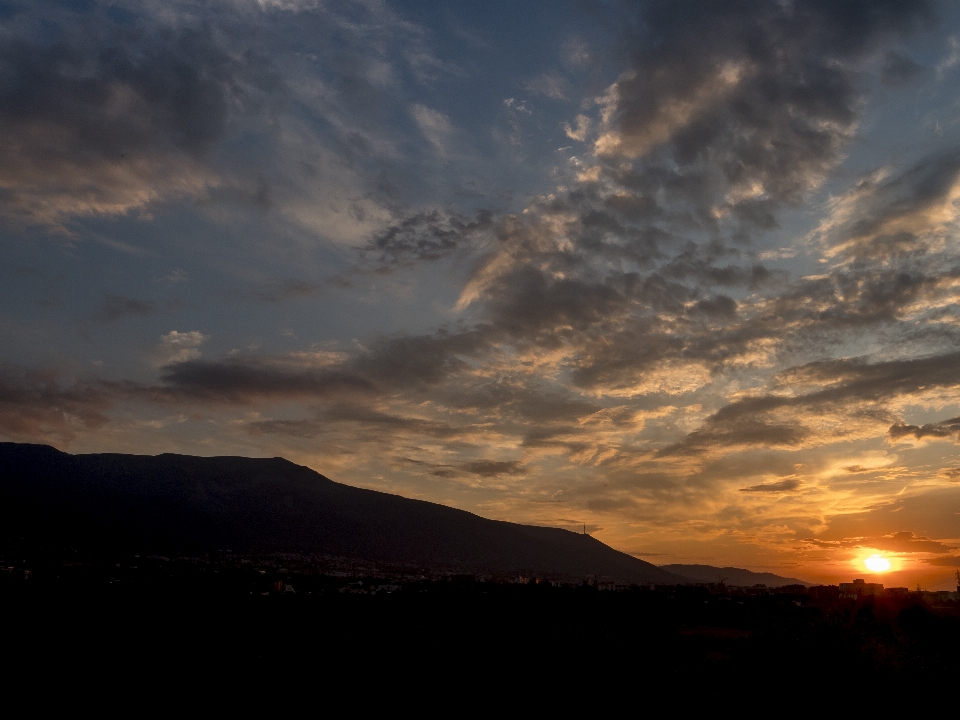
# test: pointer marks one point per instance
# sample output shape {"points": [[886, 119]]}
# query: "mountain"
{"points": [[180, 502], [732, 575]]}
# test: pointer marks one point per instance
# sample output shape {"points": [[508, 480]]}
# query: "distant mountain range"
{"points": [[731, 576], [184, 503]]}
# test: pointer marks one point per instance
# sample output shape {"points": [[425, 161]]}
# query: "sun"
{"points": [[877, 563]]}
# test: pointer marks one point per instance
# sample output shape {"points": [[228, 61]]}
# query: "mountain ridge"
{"points": [[732, 575], [113, 500]]}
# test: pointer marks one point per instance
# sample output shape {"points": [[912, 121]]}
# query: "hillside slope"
{"points": [[731, 575], [193, 503]]}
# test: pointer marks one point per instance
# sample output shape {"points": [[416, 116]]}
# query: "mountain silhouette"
{"points": [[732, 576], [184, 503]]}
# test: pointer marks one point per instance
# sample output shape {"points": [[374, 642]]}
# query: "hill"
{"points": [[185, 503], [734, 576]]}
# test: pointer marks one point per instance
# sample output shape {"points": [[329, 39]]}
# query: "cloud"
{"points": [[389, 365], [554, 87], [779, 254], [426, 236], [887, 217], [243, 380], [782, 486], [576, 52], [855, 390], [493, 468], [116, 307], [101, 121], [123, 113], [905, 541], [46, 406], [434, 125], [761, 111], [621, 346], [902, 541], [943, 430], [898, 70], [406, 362], [580, 131], [881, 524], [179, 347], [354, 424]]}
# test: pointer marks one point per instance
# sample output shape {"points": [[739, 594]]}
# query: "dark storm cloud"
{"points": [[115, 307], [388, 365], [244, 380], [98, 123], [433, 371], [426, 236], [43, 406], [616, 277], [622, 324], [751, 121], [899, 216], [417, 360], [705, 271], [536, 307], [293, 114], [493, 468], [935, 431], [856, 388], [719, 306], [616, 323], [768, 99], [857, 379], [100, 118]]}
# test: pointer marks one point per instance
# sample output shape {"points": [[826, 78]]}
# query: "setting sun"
{"points": [[877, 563]]}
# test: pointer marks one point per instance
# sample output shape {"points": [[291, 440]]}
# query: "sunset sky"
{"points": [[685, 273]]}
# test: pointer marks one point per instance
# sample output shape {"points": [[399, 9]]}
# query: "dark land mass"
{"points": [[228, 577], [220, 626], [731, 576], [178, 504]]}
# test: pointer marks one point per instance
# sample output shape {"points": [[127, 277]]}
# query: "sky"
{"points": [[683, 275]]}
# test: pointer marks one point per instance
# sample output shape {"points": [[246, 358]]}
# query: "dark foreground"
{"points": [[207, 625]]}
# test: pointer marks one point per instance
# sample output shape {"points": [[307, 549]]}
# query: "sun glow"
{"points": [[877, 563]]}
